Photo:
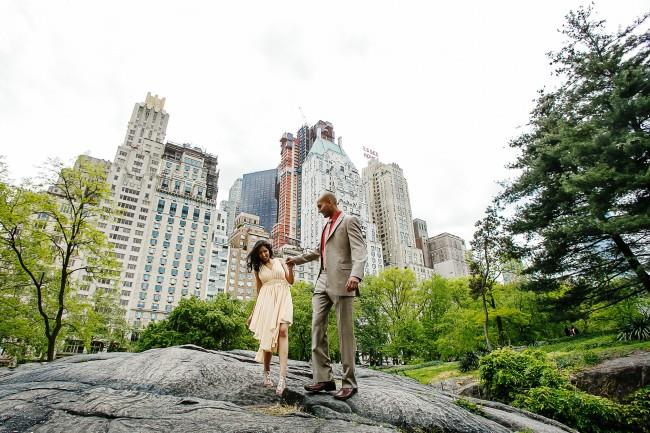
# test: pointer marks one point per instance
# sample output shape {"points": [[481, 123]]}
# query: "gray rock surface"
{"points": [[615, 378], [190, 389]]}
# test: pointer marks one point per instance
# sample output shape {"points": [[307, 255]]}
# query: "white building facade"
{"points": [[218, 257], [328, 168], [178, 237], [390, 208]]}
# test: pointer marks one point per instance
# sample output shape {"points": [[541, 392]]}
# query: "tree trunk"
{"points": [[488, 345], [632, 261], [500, 332], [51, 346]]}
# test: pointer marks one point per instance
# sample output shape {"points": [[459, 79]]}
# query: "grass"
{"points": [[570, 353], [435, 373], [576, 353], [277, 409]]}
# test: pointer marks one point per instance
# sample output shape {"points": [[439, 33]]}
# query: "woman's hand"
{"points": [[248, 321]]}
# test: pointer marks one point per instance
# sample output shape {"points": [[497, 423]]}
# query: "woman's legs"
{"points": [[283, 348], [267, 366], [267, 360], [283, 354]]}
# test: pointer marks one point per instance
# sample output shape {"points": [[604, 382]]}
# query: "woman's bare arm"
{"points": [[288, 271]]}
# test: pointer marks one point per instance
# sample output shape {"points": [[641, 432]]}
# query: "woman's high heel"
{"points": [[282, 384], [266, 382]]}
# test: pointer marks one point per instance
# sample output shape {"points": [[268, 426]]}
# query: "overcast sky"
{"points": [[437, 87]]}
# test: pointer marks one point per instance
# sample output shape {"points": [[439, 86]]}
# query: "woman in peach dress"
{"points": [[273, 312]]}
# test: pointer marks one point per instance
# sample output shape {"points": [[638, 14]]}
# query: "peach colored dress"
{"points": [[273, 307]]}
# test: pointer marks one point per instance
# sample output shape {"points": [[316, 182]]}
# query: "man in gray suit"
{"points": [[342, 251]]}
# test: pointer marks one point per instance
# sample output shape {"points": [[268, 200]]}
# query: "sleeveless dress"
{"points": [[273, 307]]}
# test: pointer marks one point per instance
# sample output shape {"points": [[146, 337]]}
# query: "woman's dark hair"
{"points": [[253, 260]]}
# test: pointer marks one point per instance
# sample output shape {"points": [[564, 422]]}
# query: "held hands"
{"points": [[290, 263], [352, 284]]}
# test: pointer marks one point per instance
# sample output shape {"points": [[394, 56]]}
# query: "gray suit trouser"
{"points": [[322, 303]]}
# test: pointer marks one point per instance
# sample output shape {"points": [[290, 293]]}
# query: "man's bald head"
{"points": [[329, 197], [326, 204]]}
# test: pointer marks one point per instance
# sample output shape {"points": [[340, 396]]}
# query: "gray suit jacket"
{"points": [[345, 254]]}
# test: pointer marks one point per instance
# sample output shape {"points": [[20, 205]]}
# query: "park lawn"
{"points": [[576, 353], [435, 373], [571, 354]]}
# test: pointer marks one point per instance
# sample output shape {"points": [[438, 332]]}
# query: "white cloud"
{"points": [[438, 87]]}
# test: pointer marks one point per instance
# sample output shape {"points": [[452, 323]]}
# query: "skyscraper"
{"points": [[232, 205], [259, 196], [176, 253], [133, 179], [285, 230], [390, 206], [148, 121], [305, 138], [219, 254], [421, 236], [328, 168]]}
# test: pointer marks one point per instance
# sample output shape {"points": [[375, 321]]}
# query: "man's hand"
{"points": [[289, 261], [352, 284]]}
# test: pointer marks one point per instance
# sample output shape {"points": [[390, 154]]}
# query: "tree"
{"points": [[581, 198], [101, 319], [437, 296], [218, 324], [50, 236], [371, 325], [300, 330], [487, 258], [395, 292]]}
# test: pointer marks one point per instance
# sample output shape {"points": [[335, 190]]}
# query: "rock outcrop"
{"points": [[615, 378], [189, 389]]}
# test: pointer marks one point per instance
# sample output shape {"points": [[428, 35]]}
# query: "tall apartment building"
{"points": [[421, 236], [390, 206], [259, 196], [305, 139], [241, 283], [219, 254], [148, 121], [133, 177], [285, 230], [177, 239], [328, 168], [232, 205], [447, 253]]}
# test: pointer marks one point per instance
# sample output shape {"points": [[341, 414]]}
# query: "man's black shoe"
{"points": [[321, 386]]}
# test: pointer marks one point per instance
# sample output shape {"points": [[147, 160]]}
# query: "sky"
{"points": [[439, 88]]}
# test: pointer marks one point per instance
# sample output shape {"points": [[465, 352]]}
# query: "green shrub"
{"points": [[469, 360], [590, 358], [580, 410], [637, 327], [637, 410], [506, 373]]}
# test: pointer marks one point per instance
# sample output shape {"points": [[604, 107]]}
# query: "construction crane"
{"points": [[304, 118]]}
